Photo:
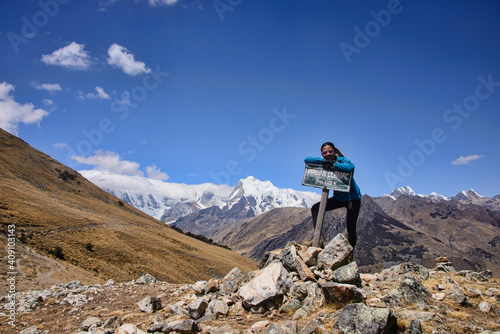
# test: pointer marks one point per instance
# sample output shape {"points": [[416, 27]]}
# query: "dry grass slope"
{"points": [[243, 235], [68, 228]]}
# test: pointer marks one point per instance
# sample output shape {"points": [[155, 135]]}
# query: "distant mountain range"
{"points": [[390, 230], [251, 197], [469, 197], [257, 217], [248, 198]]}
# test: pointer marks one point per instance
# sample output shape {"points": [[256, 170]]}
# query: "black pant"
{"points": [[351, 217]]}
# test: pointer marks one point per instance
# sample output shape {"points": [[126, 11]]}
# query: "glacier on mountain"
{"points": [[268, 197], [169, 201]]}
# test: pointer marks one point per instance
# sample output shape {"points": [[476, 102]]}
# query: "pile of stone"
{"points": [[323, 286], [296, 279]]}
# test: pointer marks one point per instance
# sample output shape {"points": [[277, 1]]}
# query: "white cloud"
{"points": [[110, 161], [71, 56], [140, 184], [125, 99], [154, 172], [46, 86], [122, 59], [112, 173], [13, 113], [49, 105], [104, 4], [467, 159], [100, 94], [60, 145], [162, 2], [48, 102]]}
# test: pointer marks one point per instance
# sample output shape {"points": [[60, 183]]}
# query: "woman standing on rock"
{"points": [[350, 200]]}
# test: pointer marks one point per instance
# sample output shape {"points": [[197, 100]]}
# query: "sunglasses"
{"points": [[327, 152]]}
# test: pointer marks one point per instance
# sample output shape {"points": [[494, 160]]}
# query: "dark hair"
{"points": [[327, 144]]}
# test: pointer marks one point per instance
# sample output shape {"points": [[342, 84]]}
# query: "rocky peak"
{"points": [[266, 196], [437, 197], [250, 186], [406, 190], [206, 199], [467, 195]]}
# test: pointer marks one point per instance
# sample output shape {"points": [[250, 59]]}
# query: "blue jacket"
{"points": [[345, 165]]}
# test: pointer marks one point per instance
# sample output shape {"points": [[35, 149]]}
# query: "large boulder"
{"points": [[348, 274], [232, 281], [361, 319], [342, 294], [314, 299], [217, 308], [268, 283], [309, 254], [146, 279], [337, 253], [410, 290], [293, 262], [150, 304], [197, 308], [184, 326], [288, 256]]}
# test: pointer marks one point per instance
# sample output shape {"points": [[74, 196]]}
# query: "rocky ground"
{"points": [[298, 290]]}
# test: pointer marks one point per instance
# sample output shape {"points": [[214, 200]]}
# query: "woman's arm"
{"points": [[314, 160], [343, 164]]}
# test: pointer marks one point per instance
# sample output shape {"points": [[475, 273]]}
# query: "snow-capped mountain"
{"points": [[250, 197], [268, 197], [406, 190], [437, 197], [154, 197], [249, 194], [462, 196], [467, 195], [160, 205]]}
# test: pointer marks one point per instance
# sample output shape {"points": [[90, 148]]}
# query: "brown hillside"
{"points": [[67, 228], [242, 235]]}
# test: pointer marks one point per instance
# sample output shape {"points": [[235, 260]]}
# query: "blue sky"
{"points": [[193, 92]]}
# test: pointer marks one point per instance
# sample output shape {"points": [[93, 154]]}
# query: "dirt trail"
{"points": [[37, 272]]}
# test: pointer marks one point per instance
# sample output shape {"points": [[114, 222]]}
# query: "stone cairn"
{"points": [[298, 281]]}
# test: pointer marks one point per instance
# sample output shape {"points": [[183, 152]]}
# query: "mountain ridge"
{"points": [[408, 229], [167, 208], [465, 196], [261, 196], [68, 228]]}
